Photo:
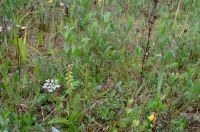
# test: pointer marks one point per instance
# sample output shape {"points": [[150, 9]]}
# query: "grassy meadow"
{"points": [[99, 65]]}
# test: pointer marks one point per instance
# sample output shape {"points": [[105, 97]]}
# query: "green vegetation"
{"points": [[99, 65]]}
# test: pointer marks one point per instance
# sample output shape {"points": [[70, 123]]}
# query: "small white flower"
{"points": [[57, 86], [48, 81], [50, 85], [50, 90], [61, 4]]}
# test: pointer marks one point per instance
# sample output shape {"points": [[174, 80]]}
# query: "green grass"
{"points": [[117, 62]]}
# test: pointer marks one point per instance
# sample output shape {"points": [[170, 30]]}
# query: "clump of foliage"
{"points": [[115, 65]]}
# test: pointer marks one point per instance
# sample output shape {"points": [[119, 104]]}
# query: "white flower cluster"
{"points": [[50, 85]]}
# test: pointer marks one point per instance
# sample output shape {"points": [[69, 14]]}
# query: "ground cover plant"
{"points": [[99, 65]]}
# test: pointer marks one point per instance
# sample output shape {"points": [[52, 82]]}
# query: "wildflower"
{"points": [[61, 5], [21, 30], [152, 117], [69, 77], [21, 27], [50, 85], [50, 1]]}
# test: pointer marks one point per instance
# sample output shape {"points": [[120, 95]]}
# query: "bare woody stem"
{"points": [[150, 22]]}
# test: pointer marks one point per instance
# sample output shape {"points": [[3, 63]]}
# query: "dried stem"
{"points": [[150, 22], [18, 60]]}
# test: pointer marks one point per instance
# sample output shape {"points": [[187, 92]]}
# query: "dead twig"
{"points": [[151, 17]]}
